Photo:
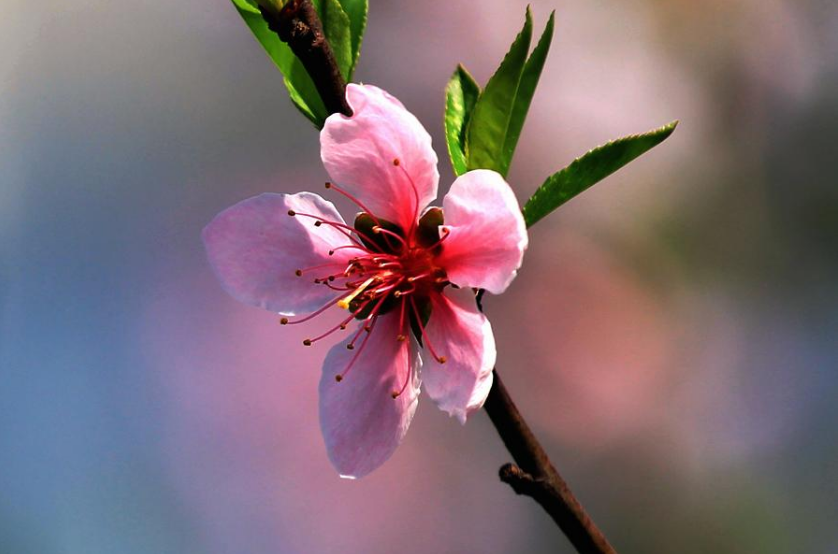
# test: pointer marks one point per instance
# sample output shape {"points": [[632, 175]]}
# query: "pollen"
{"points": [[346, 300]]}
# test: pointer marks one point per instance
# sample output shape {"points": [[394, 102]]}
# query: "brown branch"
{"points": [[298, 25], [535, 476]]}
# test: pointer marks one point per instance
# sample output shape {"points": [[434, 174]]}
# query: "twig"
{"points": [[297, 24], [535, 476]]}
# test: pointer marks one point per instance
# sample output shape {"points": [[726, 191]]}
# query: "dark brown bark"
{"points": [[298, 25], [535, 476]]}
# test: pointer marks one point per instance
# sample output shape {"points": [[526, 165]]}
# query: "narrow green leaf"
{"points": [[336, 27], [589, 169], [460, 97], [356, 10], [486, 134], [526, 90], [300, 87]]}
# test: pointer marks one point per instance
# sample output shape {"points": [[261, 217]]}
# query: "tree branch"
{"points": [[535, 476], [298, 25]]}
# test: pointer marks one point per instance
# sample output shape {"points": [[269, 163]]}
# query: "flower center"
{"points": [[390, 272]]}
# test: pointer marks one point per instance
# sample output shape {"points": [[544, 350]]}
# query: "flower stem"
{"points": [[536, 477]]}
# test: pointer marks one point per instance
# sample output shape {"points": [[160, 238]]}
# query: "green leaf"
{"points": [[460, 98], [589, 169], [486, 133], [336, 27], [356, 10], [300, 87], [526, 90]]}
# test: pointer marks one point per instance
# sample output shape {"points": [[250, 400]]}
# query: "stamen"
{"points": [[425, 340], [319, 221], [379, 229], [339, 377], [335, 249], [340, 326], [446, 232], [352, 199], [344, 302], [313, 314], [300, 272], [418, 277], [415, 218], [401, 337], [398, 393]]}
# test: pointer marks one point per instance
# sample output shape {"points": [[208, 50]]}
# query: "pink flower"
{"points": [[406, 276]]}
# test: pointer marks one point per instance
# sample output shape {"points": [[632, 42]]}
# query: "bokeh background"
{"points": [[672, 336]]}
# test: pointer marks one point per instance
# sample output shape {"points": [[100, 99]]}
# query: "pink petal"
{"points": [[362, 423], [255, 248], [459, 332], [359, 152], [488, 233]]}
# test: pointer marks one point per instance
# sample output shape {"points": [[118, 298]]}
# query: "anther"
{"points": [[350, 346], [395, 394], [292, 213], [401, 338], [307, 342], [318, 223], [299, 273], [338, 378], [396, 162], [442, 359], [343, 326], [328, 185], [331, 252], [283, 321]]}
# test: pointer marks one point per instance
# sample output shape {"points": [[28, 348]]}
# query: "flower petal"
{"points": [[362, 423], [461, 333], [488, 233], [255, 248], [359, 154]]}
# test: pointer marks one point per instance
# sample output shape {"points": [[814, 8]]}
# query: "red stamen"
{"points": [[337, 225], [339, 377], [341, 326], [398, 393], [380, 229], [425, 340], [413, 221], [446, 232], [314, 314]]}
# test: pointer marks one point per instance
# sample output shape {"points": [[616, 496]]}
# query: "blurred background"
{"points": [[671, 337]]}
